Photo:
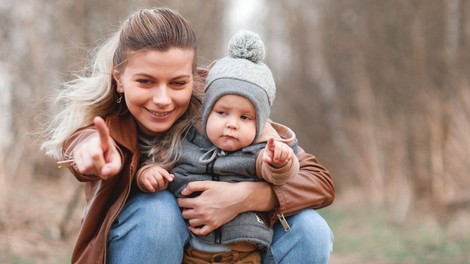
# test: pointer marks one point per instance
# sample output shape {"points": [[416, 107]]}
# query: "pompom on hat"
{"points": [[242, 73]]}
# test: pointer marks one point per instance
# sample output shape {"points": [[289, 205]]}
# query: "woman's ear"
{"points": [[117, 78]]}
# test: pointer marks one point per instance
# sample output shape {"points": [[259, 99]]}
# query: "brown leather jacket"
{"points": [[311, 188]]}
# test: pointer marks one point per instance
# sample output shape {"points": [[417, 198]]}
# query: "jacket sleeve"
{"points": [[312, 187]]}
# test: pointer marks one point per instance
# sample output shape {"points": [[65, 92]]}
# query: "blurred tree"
{"points": [[44, 43], [378, 90]]}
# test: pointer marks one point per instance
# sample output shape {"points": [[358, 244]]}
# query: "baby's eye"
{"points": [[245, 117], [221, 112]]}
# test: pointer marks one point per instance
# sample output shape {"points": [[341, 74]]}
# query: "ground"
{"points": [[33, 229], [39, 225]]}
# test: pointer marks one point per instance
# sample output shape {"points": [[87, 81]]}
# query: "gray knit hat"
{"points": [[241, 73]]}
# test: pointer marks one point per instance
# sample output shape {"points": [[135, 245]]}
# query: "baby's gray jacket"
{"points": [[237, 166]]}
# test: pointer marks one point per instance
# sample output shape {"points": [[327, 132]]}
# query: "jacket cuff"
{"points": [[272, 216]]}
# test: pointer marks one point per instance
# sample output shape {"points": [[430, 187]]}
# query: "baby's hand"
{"points": [[277, 153], [152, 178]]}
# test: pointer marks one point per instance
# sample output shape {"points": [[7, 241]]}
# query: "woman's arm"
{"points": [[312, 187], [220, 202]]}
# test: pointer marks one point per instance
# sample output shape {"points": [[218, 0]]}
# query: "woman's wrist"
{"points": [[259, 197]]}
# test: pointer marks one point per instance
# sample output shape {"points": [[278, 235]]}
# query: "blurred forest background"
{"points": [[379, 91]]}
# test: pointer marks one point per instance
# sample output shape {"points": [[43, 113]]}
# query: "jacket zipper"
{"points": [[215, 177], [283, 222]]}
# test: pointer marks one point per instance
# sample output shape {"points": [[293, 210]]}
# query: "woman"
{"points": [[142, 90]]}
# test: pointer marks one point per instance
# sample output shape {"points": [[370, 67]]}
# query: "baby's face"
{"points": [[231, 124]]}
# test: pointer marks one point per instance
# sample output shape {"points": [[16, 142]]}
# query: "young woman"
{"points": [[143, 89]]}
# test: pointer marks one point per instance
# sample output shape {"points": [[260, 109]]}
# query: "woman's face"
{"points": [[157, 87]]}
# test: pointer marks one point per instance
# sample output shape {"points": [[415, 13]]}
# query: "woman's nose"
{"points": [[161, 96]]}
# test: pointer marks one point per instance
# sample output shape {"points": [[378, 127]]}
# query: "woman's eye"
{"points": [[143, 81], [178, 84]]}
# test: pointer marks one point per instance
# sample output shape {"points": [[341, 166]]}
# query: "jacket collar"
{"points": [[278, 131], [123, 129]]}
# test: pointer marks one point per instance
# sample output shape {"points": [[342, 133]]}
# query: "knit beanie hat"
{"points": [[242, 73]]}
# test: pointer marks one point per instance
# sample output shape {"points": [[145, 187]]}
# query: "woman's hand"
{"points": [[220, 202], [97, 154]]}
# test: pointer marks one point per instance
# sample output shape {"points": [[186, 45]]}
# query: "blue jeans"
{"points": [[309, 240], [150, 229]]}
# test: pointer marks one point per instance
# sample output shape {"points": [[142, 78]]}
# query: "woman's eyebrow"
{"points": [[183, 76], [143, 74]]}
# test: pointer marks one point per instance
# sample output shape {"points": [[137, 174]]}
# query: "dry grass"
{"points": [[31, 230], [364, 234]]}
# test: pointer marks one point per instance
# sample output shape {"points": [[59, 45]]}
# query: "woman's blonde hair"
{"points": [[93, 93]]}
